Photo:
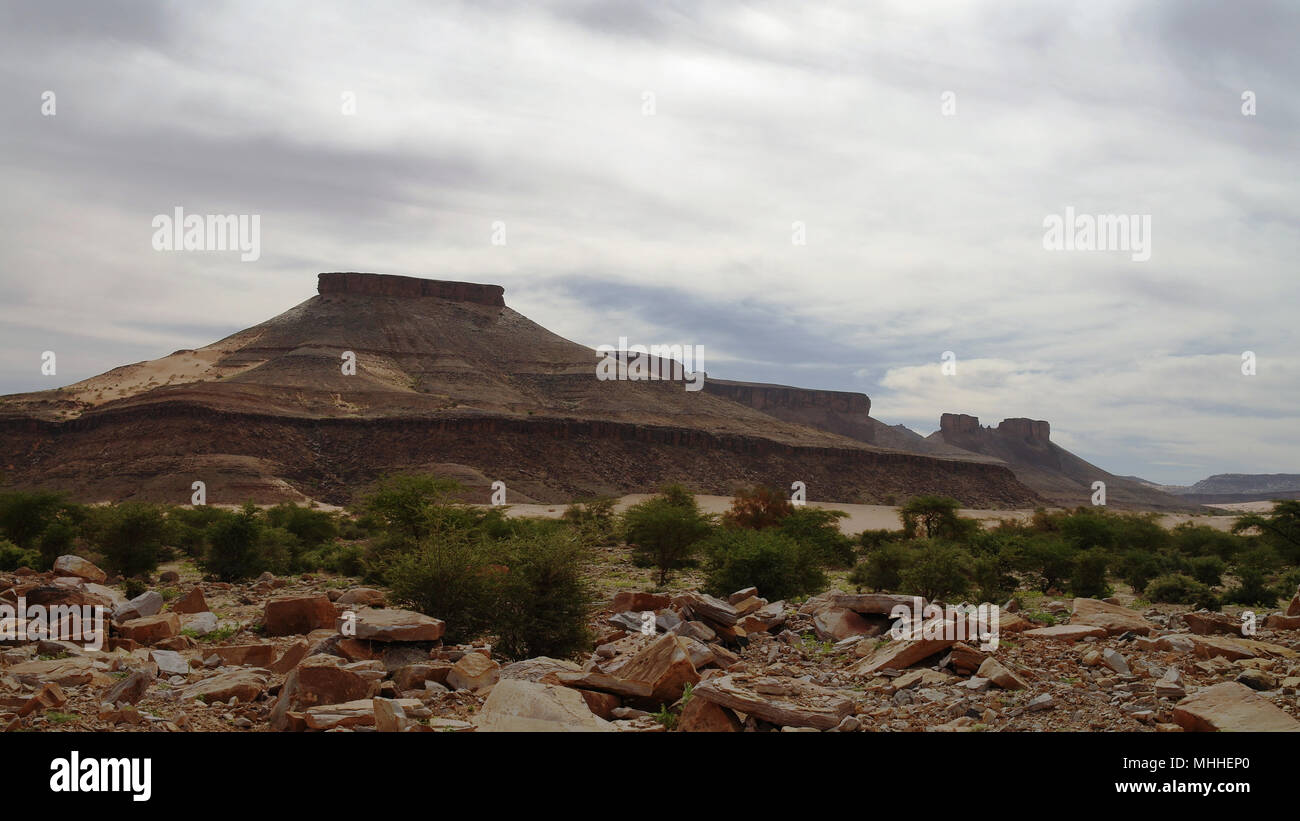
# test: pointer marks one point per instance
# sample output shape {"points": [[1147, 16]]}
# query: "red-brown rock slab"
{"points": [[1232, 707], [393, 625], [151, 629], [296, 615]]}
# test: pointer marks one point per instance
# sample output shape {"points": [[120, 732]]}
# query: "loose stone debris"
{"points": [[297, 655]]}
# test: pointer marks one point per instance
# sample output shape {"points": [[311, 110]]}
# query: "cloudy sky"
{"points": [[654, 165]]}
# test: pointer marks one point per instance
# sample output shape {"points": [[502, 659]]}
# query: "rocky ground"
{"points": [[313, 653]]}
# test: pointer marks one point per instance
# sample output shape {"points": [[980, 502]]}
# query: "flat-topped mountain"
{"points": [[1025, 446], [448, 379]]}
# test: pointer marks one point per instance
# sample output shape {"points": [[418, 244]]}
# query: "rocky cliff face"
{"points": [[389, 285], [1025, 446]]}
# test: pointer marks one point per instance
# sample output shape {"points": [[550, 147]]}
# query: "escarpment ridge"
{"points": [[444, 376]]}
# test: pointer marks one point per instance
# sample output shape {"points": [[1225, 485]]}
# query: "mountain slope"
{"points": [[447, 379]]}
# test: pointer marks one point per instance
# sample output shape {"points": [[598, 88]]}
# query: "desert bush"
{"points": [[992, 578], [129, 537], [593, 520], [240, 546], [134, 587], [1252, 589], [1207, 570], [1279, 529], [777, 565], [1137, 568], [1176, 588], [344, 558], [664, 531], [453, 580], [24, 515], [872, 539], [402, 503], [542, 600], [1050, 558], [187, 527], [937, 570], [756, 508], [1202, 540], [311, 528], [820, 528], [882, 569], [1088, 577], [13, 557], [935, 517]]}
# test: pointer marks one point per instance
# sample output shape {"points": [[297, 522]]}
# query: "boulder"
{"points": [[1232, 707], [395, 625], [151, 629], [700, 715], [1204, 623], [1293, 609], [289, 659], [473, 672], [898, 654], [170, 663], [130, 689], [516, 705], [191, 602], [665, 665], [293, 615], [996, 672], [637, 601], [1067, 632], [881, 604], [359, 713], [535, 668], [79, 567], [838, 623], [389, 715], [787, 702], [244, 684], [256, 655], [595, 680], [199, 623], [148, 603], [1114, 618], [364, 596]]}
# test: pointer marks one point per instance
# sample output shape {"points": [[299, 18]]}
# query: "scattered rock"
{"points": [[79, 567], [291, 615], [516, 705], [1231, 707]]}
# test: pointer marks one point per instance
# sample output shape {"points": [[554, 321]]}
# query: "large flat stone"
{"points": [[1232, 707], [516, 705]]}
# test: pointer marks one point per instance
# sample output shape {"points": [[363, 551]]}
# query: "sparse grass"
{"points": [[218, 635], [57, 717], [666, 717]]}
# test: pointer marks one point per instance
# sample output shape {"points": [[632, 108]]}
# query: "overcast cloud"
{"points": [[924, 232]]}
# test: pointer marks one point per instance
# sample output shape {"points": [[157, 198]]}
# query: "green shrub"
{"points": [[883, 568], [872, 539], [135, 587], [543, 599], [664, 531], [992, 579], [13, 557], [129, 536], [1137, 568], [936, 517], [820, 528], [937, 570], [1088, 580], [311, 528], [1050, 558], [778, 566], [452, 580], [402, 503], [593, 520], [1208, 570], [1252, 589], [239, 546], [24, 515], [1176, 588]]}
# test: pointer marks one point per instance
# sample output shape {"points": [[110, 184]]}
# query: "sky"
{"points": [[822, 194]]}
